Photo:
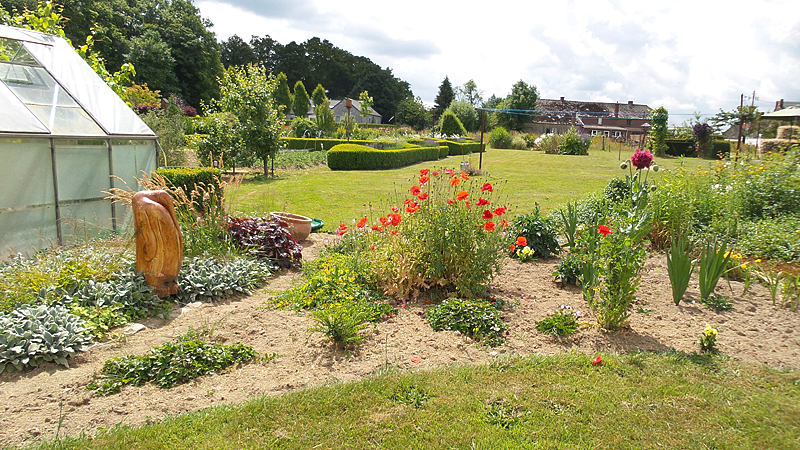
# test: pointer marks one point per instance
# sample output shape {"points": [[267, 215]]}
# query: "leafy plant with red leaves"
{"points": [[266, 238]]}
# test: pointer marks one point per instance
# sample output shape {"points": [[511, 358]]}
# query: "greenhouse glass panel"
{"points": [[27, 230], [81, 221], [31, 180], [13, 51], [102, 103], [131, 158], [82, 169], [15, 117]]}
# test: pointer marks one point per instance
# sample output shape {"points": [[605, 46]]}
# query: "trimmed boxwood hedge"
{"points": [[680, 147], [320, 144], [462, 148], [359, 157]]}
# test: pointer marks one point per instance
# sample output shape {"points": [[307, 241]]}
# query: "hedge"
{"points": [[775, 145], [718, 147], [680, 147], [320, 144], [186, 178], [463, 148], [359, 157]]}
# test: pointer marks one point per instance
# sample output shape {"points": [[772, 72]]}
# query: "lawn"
{"points": [[633, 401], [342, 196]]}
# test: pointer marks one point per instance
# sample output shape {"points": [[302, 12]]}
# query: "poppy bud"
{"points": [[623, 165]]}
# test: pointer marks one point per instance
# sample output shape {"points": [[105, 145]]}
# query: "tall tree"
{"points": [[522, 98], [412, 112], [300, 103], [319, 95], [154, 62], [236, 52], [444, 97], [283, 96], [470, 93]]}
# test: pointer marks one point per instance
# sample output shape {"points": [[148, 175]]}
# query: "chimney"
{"points": [[562, 99], [776, 106], [630, 102], [781, 103], [616, 109]]}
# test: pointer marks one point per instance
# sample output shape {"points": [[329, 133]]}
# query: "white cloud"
{"points": [[687, 55]]}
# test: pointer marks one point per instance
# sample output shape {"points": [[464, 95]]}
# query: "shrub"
{"points": [[170, 364], [467, 114], [549, 143], [192, 180], [360, 157], [617, 190], [462, 148], [474, 318], [722, 148], [568, 269], [266, 239], [573, 143], [500, 138], [302, 127], [31, 336], [450, 125], [519, 143], [538, 231]]}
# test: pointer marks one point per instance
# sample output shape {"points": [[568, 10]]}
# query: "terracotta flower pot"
{"points": [[299, 226]]}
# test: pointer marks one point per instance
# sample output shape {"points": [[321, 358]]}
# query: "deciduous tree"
{"points": [[300, 100]]}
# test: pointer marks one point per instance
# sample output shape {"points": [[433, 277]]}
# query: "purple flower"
{"points": [[641, 159]]}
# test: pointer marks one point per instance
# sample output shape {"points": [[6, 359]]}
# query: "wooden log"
{"points": [[159, 244]]}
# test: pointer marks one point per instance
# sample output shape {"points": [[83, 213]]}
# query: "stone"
{"points": [[134, 328]]}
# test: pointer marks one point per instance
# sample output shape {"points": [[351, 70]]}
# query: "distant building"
{"points": [[615, 120], [340, 110], [781, 104]]}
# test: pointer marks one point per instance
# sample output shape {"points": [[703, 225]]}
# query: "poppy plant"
{"points": [[423, 196], [488, 226], [395, 209], [503, 223], [521, 241], [415, 190], [424, 172], [450, 172], [454, 181], [412, 208], [383, 220], [423, 179], [487, 187], [464, 176], [597, 360], [500, 211], [407, 201], [641, 159], [462, 195], [451, 202], [435, 173], [341, 230], [512, 247], [394, 219], [361, 222], [377, 228], [487, 215], [604, 230], [482, 202]]}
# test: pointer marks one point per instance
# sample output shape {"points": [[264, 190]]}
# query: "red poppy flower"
{"points": [[482, 202], [406, 201], [395, 209], [521, 241], [454, 181], [604, 230], [393, 232], [450, 172], [451, 202], [503, 223], [372, 247], [361, 222], [412, 208], [487, 187], [415, 190], [394, 219], [464, 175], [435, 173], [511, 247], [377, 228], [416, 360], [423, 196], [597, 360], [462, 195], [341, 230], [423, 180], [500, 211], [488, 226], [383, 220], [424, 172], [487, 215]]}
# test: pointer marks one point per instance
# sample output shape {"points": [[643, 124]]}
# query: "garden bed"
{"points": [[33, 402]]}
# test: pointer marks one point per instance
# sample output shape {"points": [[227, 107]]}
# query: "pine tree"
{"points": [[444, 97], [319, 95], [283, 96], [300, 104]]}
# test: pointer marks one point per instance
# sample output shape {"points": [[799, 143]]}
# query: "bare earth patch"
{"points": [[31, 402]]}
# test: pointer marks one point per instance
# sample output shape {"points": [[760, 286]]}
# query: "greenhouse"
{"points": [[65, 137]]}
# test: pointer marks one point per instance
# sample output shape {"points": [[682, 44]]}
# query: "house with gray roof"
{"points": [[616, 120]]}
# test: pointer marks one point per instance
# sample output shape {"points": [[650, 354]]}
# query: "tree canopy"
{"points": [[522, 98]]}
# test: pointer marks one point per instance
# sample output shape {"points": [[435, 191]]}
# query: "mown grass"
{"points": [[523, 176], [633, 401]]}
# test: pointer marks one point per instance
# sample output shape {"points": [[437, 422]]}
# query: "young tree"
{"points": [[450, 125], [657, 142], [742, 114], [326, 122], [283, 96], [522, 98], [467, 114], [414, 114], [300, 103], [249, 93], [366, 103], [444, 97], [319, 95], [469, 93]]}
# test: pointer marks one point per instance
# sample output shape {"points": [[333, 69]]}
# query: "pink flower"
{"points": [[641, 159]]}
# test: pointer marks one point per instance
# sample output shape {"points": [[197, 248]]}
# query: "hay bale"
{"points": [[774, 145], [786, 132]]}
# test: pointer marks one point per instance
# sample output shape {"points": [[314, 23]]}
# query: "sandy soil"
{"points": [[32, 402]]}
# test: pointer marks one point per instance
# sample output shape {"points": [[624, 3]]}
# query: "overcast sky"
{"points": [[685, 55]]}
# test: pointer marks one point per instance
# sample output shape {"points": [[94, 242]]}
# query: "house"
{"points": [[339, 109], [617, 120]]}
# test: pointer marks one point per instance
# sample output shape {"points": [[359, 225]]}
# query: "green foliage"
{"points": [[460, 148], [519, 143], [712, 266], [366, 102], [411, 395], [361, 157], [568, 270], [170, 364], [474, 318], [467, 114], [169, 125], [708, 340], [679, 267], [445, 96], [319, 96], [573, 143], [302, 127], [538, 231], [522, 98], [500, 138], [720, 148], [221, 142], [549, 143], [717, 302], [300, 100], [656, 141], [126, 292], [325, 122], [31, 336], [569, 222], [283, 96], [210, 280], [450, 125], [774, 238], [469, 93], [562, 323], [412, 112], [192, 180], [341, 322], [99, 320], [617, 190], [300, 160], [247, 92]]}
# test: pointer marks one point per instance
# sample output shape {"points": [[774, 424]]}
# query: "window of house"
{"points": [[617, 134], [628, 122], [595, 132], [605, 133]]}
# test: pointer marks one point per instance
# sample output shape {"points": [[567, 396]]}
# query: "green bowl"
{"points": [[316, 224]]}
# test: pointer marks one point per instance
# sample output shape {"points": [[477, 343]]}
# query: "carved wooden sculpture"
{"points": [[159, 245]]}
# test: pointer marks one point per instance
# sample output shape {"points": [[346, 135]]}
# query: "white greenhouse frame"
{"points": [[65, 136]]}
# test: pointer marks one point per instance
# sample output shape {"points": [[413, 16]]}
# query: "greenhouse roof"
{"points": [[46, 88]]}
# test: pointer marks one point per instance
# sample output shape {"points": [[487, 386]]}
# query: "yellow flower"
{"points": [[744, 266], [758, 260], [709, 331]]}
